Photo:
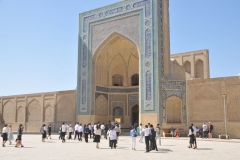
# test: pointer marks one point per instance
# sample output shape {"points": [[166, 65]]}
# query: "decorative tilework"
{"points": [[120, 90], [148, 86], [133, 99], [148, 43], [174, 88], [146, 9]]}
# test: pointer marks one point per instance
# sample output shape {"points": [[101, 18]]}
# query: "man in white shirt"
{"points": [[76, 131], [147, 132], [204, 126], [64, 129], [102, 127], [80, 131]]}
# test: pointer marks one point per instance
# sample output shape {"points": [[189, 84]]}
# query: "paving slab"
{"points": [[171, 148]]}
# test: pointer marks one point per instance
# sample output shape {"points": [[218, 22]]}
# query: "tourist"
{"points": [[210, 130], [76, 129], [133, 135], [60, 133], [102, 127], [146, 131], [191, 135], [195, 136], [158, 135], [67, 131], [49, 131], [108, 132], [19, 136], [97, 136], [204, 126], [44, 132], [177, 133], [63, 132], [141, 133], [5, 135], [113, 137], [10, 134], [153, 139], [90, 130], [105, 131], [118, 131], [70, 130], [80, 131], [86, 132]]}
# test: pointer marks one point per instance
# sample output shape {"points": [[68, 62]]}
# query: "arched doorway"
{"points": [[135, 114]]}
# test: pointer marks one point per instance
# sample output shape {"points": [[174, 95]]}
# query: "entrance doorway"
{"points": [[135, 114]]}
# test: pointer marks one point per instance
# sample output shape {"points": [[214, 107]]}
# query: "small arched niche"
{"points": [[135, 80], [117, 80], [187, 66]]}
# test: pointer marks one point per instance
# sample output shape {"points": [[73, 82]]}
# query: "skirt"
{"points": [[5, 137], [97, 138], [19, 137], [10, 136], [44, 135]]}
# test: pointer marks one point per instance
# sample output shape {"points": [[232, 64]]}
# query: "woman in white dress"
{"points": [[10, 134]]}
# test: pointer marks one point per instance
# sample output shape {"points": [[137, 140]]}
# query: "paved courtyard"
{"points": [[171, 148]]}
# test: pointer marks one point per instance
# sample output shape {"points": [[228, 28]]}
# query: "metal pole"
{"points": [[224, 104]]}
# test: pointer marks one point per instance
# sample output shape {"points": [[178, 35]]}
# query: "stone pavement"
{"points": [[171, 148]]}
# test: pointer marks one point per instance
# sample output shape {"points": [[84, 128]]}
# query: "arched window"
{"points": [[135, 80], [187, 66], [117, 111], [199, 72], [117, 80]]}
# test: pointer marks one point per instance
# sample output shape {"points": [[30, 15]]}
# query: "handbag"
{"points": [[135, 135]]}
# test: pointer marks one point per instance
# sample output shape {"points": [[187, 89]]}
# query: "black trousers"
{"points": [[63, 136], [153, 143], [90, 133], [113, 143], [80, 139], [76, 135], [195, 141], [70, 135], [86, 137], [147, 143]]}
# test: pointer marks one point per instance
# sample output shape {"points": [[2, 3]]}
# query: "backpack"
{"points": [[86, 130]]}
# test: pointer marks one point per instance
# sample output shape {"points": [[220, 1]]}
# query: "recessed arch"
{"points": [[34, 111], [8, 112], [117, 111], [187, 66], [174, 109], [199, 70], [135, 80]]}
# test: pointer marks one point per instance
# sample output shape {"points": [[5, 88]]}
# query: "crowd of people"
{"points": [[110, 131], [7, 135]]}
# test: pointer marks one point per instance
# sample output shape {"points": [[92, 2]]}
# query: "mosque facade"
{"points": [[127, 74]]}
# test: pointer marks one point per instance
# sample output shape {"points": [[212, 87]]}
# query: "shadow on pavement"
{"points": [[204, 149]]}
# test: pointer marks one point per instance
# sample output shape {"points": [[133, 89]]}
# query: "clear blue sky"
{"points": [[39, 38]]}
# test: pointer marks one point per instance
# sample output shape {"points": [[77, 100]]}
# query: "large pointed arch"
{"points": [[99, 77]]}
